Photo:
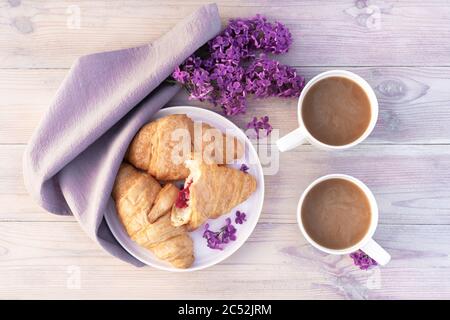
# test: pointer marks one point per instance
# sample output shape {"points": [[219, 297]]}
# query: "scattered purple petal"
{"points": [[244, 168], [241, 217], [362, 260]]}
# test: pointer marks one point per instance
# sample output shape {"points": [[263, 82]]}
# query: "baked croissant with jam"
{"points": [[143, 207], [162, 146], [209, 192]]}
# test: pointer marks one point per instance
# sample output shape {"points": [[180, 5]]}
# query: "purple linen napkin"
{"points": [[71, 161]]}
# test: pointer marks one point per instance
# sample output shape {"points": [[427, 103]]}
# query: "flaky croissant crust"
{"points": [[214, 191], [143, 208], [162, 146]]}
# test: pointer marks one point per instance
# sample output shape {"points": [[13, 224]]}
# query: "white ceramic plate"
{"points": [[204, 256]]}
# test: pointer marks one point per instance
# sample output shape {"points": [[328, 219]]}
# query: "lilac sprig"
{"points": [[229, 71], [217, 239], [261, 124], [362, 260]]}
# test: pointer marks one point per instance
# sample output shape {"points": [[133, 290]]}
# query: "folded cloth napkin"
{"points": [[73, 157]]}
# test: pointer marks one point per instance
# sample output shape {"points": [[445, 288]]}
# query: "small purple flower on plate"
{"points": [[217, 239], [241, 217], [244, 168]]}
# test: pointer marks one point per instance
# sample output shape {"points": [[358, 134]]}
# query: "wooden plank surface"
{"points": [[414, 103], [326, 33], [402, 48], [416, 193], [36, 263]]}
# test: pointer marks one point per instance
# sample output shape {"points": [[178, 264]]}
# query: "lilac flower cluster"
{"points": [[217, 239], [261, 124], [268, 78], [230, 69], [362, 260]]}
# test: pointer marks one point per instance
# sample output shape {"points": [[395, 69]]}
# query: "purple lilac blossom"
{"points": [[217, 239], [268, 78], [241, 217], [230, 70], [362, 260]]}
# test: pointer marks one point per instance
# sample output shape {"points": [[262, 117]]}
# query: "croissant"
{"points": [[215, 146], [143, 208], [134, 193], [154, 148], [161, 147], [163, 203], [209, 192]]}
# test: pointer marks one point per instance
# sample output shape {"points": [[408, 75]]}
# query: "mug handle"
{"points": [[291, 140], [376, 252]]}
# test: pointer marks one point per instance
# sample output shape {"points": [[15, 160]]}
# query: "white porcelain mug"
{"points": [[301, 135], [366, 244]]}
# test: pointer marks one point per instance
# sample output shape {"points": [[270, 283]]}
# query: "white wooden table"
{"points": [[401, 47]]}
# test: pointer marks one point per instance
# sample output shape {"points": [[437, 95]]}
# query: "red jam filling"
{"points": [[183, 196]]}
